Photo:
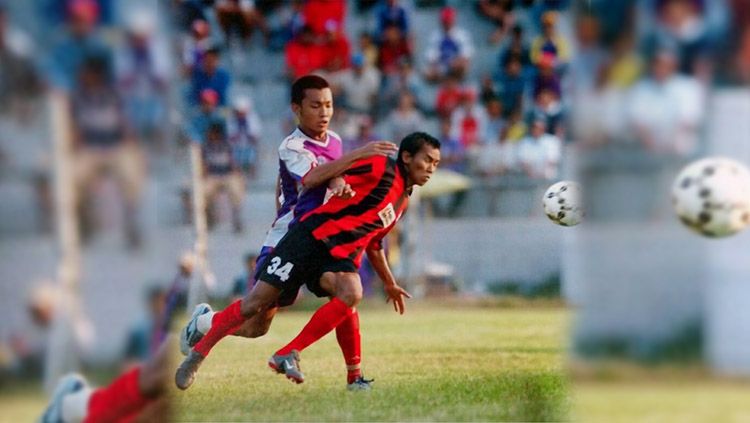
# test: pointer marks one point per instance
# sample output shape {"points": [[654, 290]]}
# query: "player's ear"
{"points": [[296, 109], [406, 157]]}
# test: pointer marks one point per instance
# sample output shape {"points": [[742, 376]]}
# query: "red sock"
{"points": [[327, 317], [347, 333], [122, 398], [223, 323]]}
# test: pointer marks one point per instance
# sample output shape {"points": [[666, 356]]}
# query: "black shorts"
{"points": [[300, 259]]}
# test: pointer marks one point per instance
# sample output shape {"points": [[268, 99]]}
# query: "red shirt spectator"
{"points": [[448, 97], [318, 12], [393, 49], [303, 56]]}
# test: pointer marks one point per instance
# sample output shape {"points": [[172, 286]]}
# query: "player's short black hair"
{"points": [[414, 142], [307, 82]]}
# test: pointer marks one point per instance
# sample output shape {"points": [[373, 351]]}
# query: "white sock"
{"points": [[75, 406], [204, 322]]}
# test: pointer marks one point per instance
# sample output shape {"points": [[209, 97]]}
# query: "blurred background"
{"points": [[107, 106]]}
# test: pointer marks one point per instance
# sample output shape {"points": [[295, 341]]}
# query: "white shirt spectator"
{"points": [[667, 114], [459, 36], [359, 90], [465, 130], [497, 158], [540, 157]]}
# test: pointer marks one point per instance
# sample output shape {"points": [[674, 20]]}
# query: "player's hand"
{"points": [[377, 148], [396, 294], [344, 191]]}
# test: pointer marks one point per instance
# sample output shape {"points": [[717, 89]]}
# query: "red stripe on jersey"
{"points": [[348, 226]]}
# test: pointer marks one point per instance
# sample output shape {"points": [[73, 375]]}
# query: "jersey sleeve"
{"points": [[297, 158]]}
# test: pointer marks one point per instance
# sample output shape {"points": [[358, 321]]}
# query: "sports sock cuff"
{"points": [[204, 322], [75, 406]]}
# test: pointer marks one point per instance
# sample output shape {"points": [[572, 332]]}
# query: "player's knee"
{"points": [[350, 295], [251, 306]]}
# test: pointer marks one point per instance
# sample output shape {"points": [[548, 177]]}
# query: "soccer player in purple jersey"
{"points": [[310, 165]]}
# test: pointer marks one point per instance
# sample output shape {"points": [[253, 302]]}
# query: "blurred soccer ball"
{"points": [[712, 196], [563, 203]]}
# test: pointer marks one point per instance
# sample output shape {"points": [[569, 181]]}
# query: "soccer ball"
{"points": [[563, 203], [712, 196]]}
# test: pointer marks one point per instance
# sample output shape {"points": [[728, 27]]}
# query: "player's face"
{"points": [[316, 110], [422, 165]]}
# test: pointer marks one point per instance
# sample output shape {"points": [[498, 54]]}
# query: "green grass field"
{"points": [[435, 363]]}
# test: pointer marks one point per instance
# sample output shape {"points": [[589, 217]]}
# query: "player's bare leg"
{"points": [[262, 298], [258, 325], [346, 289]]}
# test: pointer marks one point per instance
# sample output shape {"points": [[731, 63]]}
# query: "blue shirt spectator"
{"points": [[389, 13], [210, 76]]}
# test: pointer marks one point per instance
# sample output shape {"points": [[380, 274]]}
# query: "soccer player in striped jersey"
{"points": [[311, 161], [324, 250]]}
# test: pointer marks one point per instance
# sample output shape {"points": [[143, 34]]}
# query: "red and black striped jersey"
{"points": [[348, 226]]}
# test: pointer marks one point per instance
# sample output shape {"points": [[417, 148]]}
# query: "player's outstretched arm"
{"points": [[322, 173], [393, 291]]}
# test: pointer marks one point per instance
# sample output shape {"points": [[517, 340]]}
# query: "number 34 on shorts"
{"points": [[278, 269]]}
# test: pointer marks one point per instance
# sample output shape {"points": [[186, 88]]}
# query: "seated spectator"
{"points": [[359, 86], [369, 49], [452, 151], [194, 47], [210, 74], [145, 336], [487, 90], [682, 26], [452, 158], [548, 108], [337, 48], [516, 127], [303, 55], [143, 70], [539, 153], [221, 173], [244, 129], [290, 20], [103, 146], [497, 12], [406, 80], [449, 49], [666, 109], [79, 41], [244, 281], [546, 78], [240, 18], [405, 119], [448, 97], [19, 80], [515, 50], [495, 121], [391, 13], [550, 42], [394, 48], [207, 112], [511, 86], [498, 157], [469, 122], [319, 13]]}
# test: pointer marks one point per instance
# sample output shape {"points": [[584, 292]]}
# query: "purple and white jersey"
{"points": [[299, 153]]}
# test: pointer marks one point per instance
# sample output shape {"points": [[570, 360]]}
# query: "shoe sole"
{"points": [[276, 369]]}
